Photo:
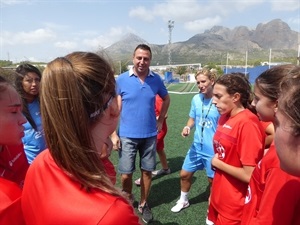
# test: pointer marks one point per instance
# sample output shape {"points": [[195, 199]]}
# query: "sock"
{"points": [[183, 196]]}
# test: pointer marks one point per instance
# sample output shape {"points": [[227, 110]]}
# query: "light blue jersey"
{"points": [[34, 141], [205, 116]]}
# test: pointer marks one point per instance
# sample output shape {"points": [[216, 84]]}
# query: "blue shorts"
{"points": [[198, 160], [129, 148]]}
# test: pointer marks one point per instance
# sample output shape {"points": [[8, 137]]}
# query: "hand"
{"points": [[115, 141], [106, 149], [158, 126], [185, 131], [214, 161]]}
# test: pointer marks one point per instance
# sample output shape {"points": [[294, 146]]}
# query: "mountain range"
{"points": [[218, 45]]}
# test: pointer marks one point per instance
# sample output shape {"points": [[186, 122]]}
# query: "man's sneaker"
{"points": [[180, 205], [146, 213], [208, 222], [161, 172], [138, 182]]}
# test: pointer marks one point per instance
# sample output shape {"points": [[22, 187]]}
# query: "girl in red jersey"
{"points": [[273, 196], [68, 183], [287, 123], [238, 144], [13, 162]]}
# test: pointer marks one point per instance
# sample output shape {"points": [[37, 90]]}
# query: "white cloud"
{"points": [[68, 45], [149, 19], [13, 2], [110, 37], [288, 5], [242, 5], [202, 24], [295, 20], [188, 11], [141, 13], [177, 10], [193, 14], [31, 37], [55, 26]]}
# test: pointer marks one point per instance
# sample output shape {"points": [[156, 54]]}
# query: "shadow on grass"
{"points": [[166, 189], [175, 163], [202, 197], [154, 222]]}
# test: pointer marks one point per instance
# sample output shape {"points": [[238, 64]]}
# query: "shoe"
{"points": [[138, 182], [180, 205], [161, 172], [208, 222], [146, 213]]}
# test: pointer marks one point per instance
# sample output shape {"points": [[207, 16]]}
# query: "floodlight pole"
{"points": [[170, 26]]}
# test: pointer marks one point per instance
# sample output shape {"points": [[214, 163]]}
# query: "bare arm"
{"points": [[163, 111], [241, 173], [114, 136], [270, 131]]}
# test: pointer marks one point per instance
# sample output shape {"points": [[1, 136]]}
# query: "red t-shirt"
{"points": [[161, 135], [13, 164], [52, 197], [110, 169], [265, 124], [239, 140], [273, 196], [10, 203]]}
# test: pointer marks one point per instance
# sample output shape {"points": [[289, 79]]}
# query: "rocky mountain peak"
{"points": [[215, 42]]}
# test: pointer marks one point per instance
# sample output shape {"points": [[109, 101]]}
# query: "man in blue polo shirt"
{"points": [[138, 127]]}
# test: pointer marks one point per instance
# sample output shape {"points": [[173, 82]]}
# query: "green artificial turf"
{"points": [[165, 190]]}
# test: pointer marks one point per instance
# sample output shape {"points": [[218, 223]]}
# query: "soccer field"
{"points": [[165, 190]]}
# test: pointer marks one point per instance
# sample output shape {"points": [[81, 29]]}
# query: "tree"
{"points": [[180, 70], [4, 63], [8, 74], [257, 63], [120, 66], [213, 66]]}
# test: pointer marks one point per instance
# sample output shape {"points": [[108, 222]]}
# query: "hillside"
{"points": [[214, 44]]}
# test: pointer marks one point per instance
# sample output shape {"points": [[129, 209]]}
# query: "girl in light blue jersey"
{"points": [[204, 117], [27, 84]]}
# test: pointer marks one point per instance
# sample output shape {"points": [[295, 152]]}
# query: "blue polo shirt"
{"points": [[138, 118]]}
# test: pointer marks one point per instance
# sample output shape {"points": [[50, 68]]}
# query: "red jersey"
{"points": [[160, 145], [110, 169], [10, 203], [13, 164], [273, 196], [158, 104], [239, 141], [265, 124], [50, 196]]}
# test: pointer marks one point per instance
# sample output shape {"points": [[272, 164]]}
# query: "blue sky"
{"points": [[45, 29]]}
